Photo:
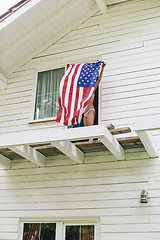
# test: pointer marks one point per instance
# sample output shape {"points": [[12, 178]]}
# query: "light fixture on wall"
{"points": [[144, 196]]}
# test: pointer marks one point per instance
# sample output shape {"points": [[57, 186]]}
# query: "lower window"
{"points": [[84, 232], [47, 231], [39, 231]]}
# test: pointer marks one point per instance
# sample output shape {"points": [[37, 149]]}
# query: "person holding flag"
{"points": [[89, 113], [76, 92]]}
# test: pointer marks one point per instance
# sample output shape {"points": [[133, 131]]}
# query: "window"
{"points": [[47, 93], [58, 231], [82, 232], [39, 231]]}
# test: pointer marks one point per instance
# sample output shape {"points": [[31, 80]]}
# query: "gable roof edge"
{"points": [[17, 13], [52, 40]]}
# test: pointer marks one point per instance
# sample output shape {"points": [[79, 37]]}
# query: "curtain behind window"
{"points": [[47, 94]]}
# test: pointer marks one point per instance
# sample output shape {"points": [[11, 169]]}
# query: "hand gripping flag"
{"points": [[76, 89]]}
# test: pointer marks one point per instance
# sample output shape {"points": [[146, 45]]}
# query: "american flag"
{"points": [[76, 89]]}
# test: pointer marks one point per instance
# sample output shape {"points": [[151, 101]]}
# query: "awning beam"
{"points": [[5, 163], [148, 142], [144, 127], [102, 6], [30, 154], [70, 150], [3, 81]]}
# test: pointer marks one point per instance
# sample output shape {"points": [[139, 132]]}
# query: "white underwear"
{"points": [[86, 113]]}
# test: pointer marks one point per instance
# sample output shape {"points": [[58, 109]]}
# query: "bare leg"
{"points": [[90, 118], [85, 121], [89, 121]]}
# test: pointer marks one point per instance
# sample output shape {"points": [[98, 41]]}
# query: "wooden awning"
{"points": [[37, 145]]}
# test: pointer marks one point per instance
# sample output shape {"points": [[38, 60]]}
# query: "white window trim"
{"points": [[34, 89], [100, 104], [61, 225], [33, 100]]}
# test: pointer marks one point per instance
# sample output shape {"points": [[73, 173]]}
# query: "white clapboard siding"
{"points": [[81, 204], [133, 87], [90, 52], [8, 228], [132, 235], [8, 235], [122, 95], [21, 115], [76, 182], [15, 108], [108, 38], [133, 100], [63, 213], [111, 20], [138, 107], [131, 113], [128, 39], [47, 178], [25, 127], [129, 219], [130, 11], [19, 94], [26, 98], [113, 32], [29, 194], [138, 228], [48, 198], [80, 175], [22, 86], [118, 82]]}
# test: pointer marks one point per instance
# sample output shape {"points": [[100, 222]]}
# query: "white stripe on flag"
{"points": [[79, 102], [61, 90], [74, 95], [68, 87]]}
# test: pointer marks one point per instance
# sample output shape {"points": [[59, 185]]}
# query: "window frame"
{"points": [[80, 223], [34, 92], [61, 225]]}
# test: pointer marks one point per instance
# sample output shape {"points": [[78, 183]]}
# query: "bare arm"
{"points": [[100, 77]]}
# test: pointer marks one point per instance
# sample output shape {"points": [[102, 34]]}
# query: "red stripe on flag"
{"points": [[84, 102], [60, 110], [67, 115], [75, 116], [62, 97], [86, 92]]}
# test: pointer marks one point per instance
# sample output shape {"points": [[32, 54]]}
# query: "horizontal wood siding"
{"points": [[128, 39], [109, 191]]}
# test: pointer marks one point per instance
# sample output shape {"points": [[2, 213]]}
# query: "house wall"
{"points": [[103, 189], [127, 38]]}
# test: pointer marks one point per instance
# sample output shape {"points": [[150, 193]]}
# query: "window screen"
{"points": [[47, 93]]}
